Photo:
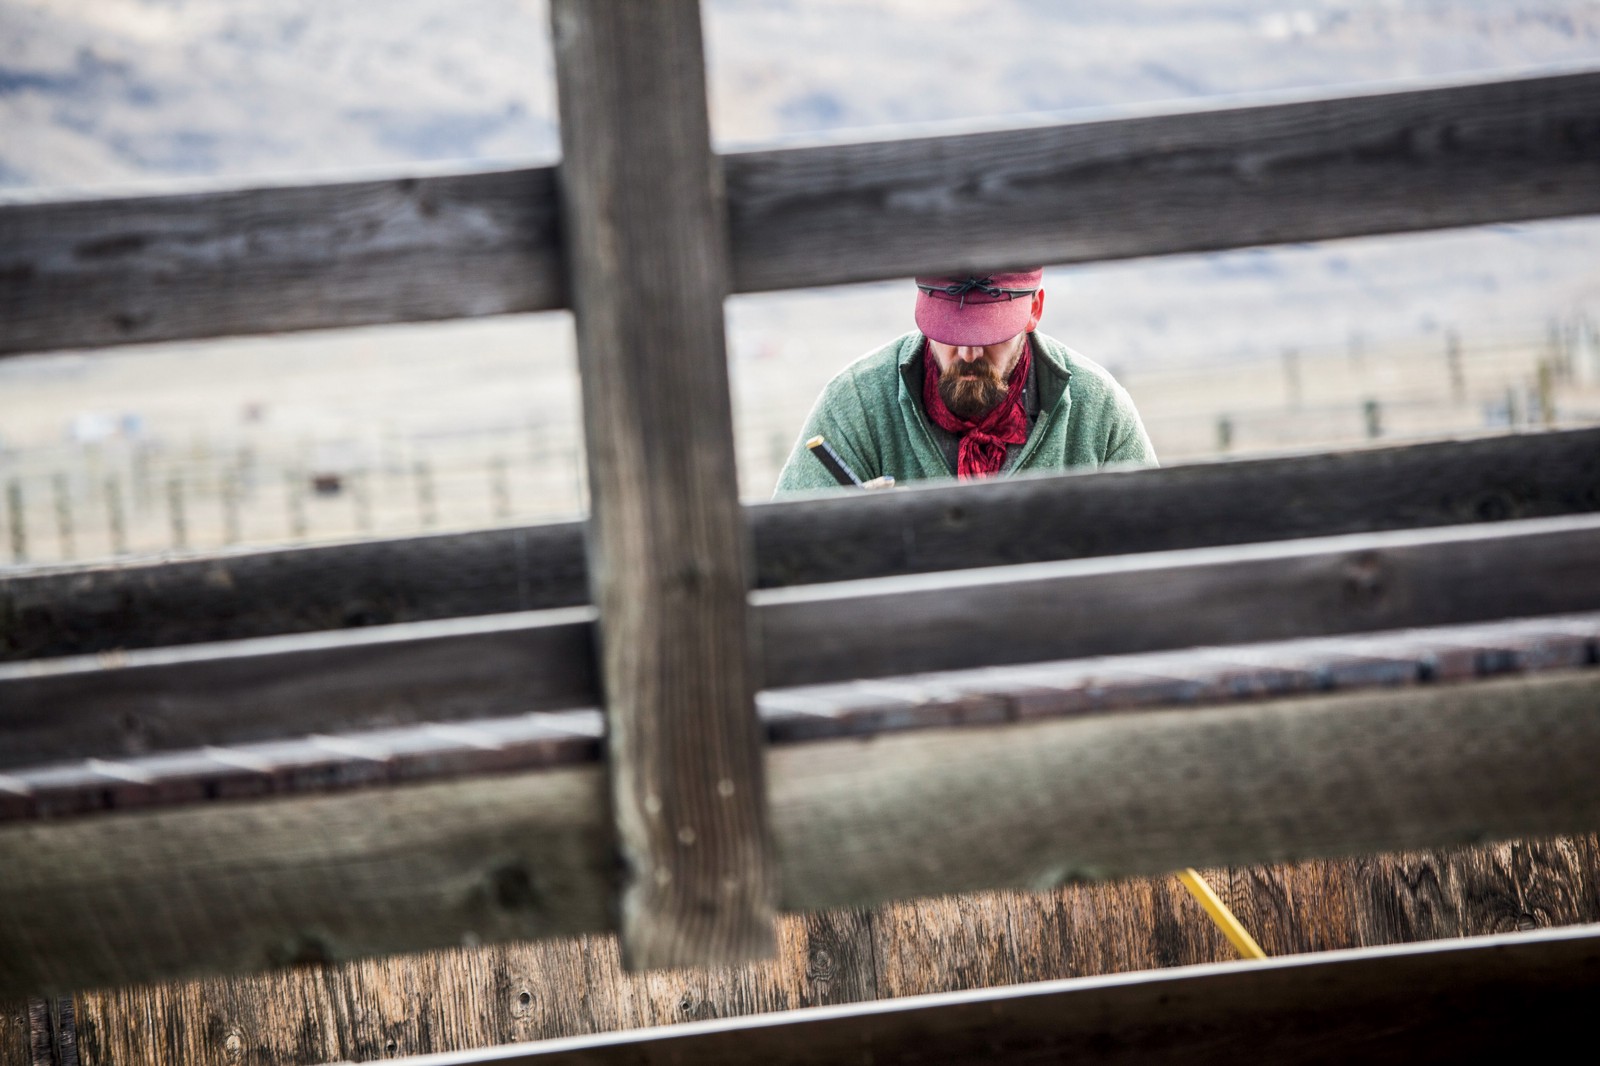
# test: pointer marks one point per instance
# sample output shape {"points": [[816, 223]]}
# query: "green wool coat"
{"points": [[871, 413]]}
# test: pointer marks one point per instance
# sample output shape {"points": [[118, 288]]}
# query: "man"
{"points": [[974, 393]]}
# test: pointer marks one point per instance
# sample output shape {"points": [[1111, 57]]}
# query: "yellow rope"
{"points": [[1237, 935]]}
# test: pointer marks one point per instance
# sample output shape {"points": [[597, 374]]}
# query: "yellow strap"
{"points": [[1241, 940]]}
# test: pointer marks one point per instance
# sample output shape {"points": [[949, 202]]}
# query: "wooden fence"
{"points": [[642, 231]]}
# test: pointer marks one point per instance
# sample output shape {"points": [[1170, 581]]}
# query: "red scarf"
{"points": [[983, 443]]}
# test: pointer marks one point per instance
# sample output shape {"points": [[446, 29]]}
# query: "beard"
{"points": [[971, 390]]}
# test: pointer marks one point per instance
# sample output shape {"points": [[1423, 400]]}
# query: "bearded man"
{"points": [[974, 392]]}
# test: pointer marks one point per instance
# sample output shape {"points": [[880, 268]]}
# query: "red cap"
{"points": [[975, 310]]}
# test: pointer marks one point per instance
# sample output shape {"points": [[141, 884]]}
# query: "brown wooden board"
{"points": [[270, 688], [167, 266], [475, 997], [1509, 996], [647, 254], [83, 273], [375, 758], [1385, 161], [73, 610], [1121, 604], [163, 699], [241, 885]]}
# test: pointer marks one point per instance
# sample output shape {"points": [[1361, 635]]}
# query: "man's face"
{"points": [[973, 380]]}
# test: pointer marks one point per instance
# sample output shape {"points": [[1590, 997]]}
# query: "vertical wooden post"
{"points": [[1291, 378], [62, 492], [294, 502], [229, 489], [19, 522], [500, 487], [175, 512], [1372, 417], [116, 519], [361, 497], [427, 502], [1452, 356], [648, 263]]}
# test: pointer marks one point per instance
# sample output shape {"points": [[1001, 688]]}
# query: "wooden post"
{"points": [[1452, 356], [1547, 392], [361, 497], [62, 492], [500, 487], [19, 521], [116, 518], [1291, 378], [648, 264], [230, 506], [1372, 417], [294, 498], [175, 512], [427, 501]]}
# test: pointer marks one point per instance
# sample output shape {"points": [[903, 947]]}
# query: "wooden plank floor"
{"points": [[474, 997]]}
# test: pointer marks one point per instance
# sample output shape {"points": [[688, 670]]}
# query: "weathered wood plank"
{"points": [[83, 273], [239, 887], [1459, 999], [371, 758], [475, 997], [111, 707], [647, 253], [14, 1031], [1043, 611], [276, 687], [1035, 805], [1391, 160], [74, 610], [139, 896], [92, 272]]}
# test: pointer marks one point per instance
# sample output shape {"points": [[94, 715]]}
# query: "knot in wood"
{"points": [[819, 965], [1364, 578]]}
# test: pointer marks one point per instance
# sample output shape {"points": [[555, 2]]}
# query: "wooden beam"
{"points": [[115, 705], [241, 885], [647, 252], [276, 687], [1199, 179], [84, 273], [1471, 999], [373, 758], [1034, 805], [74, 610], [1300, 588], [238, 887]]}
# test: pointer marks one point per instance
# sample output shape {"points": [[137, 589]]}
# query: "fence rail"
{"points": [[112, 705], [77, 610], [89, 272], [1462, 999], [239, 883]]}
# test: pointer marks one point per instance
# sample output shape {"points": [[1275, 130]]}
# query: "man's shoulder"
{"points": [[1087, 379], [1078, 366], [877, 372], [886, 358]]}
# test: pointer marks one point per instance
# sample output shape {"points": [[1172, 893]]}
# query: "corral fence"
{"points": [[163, 814]]}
